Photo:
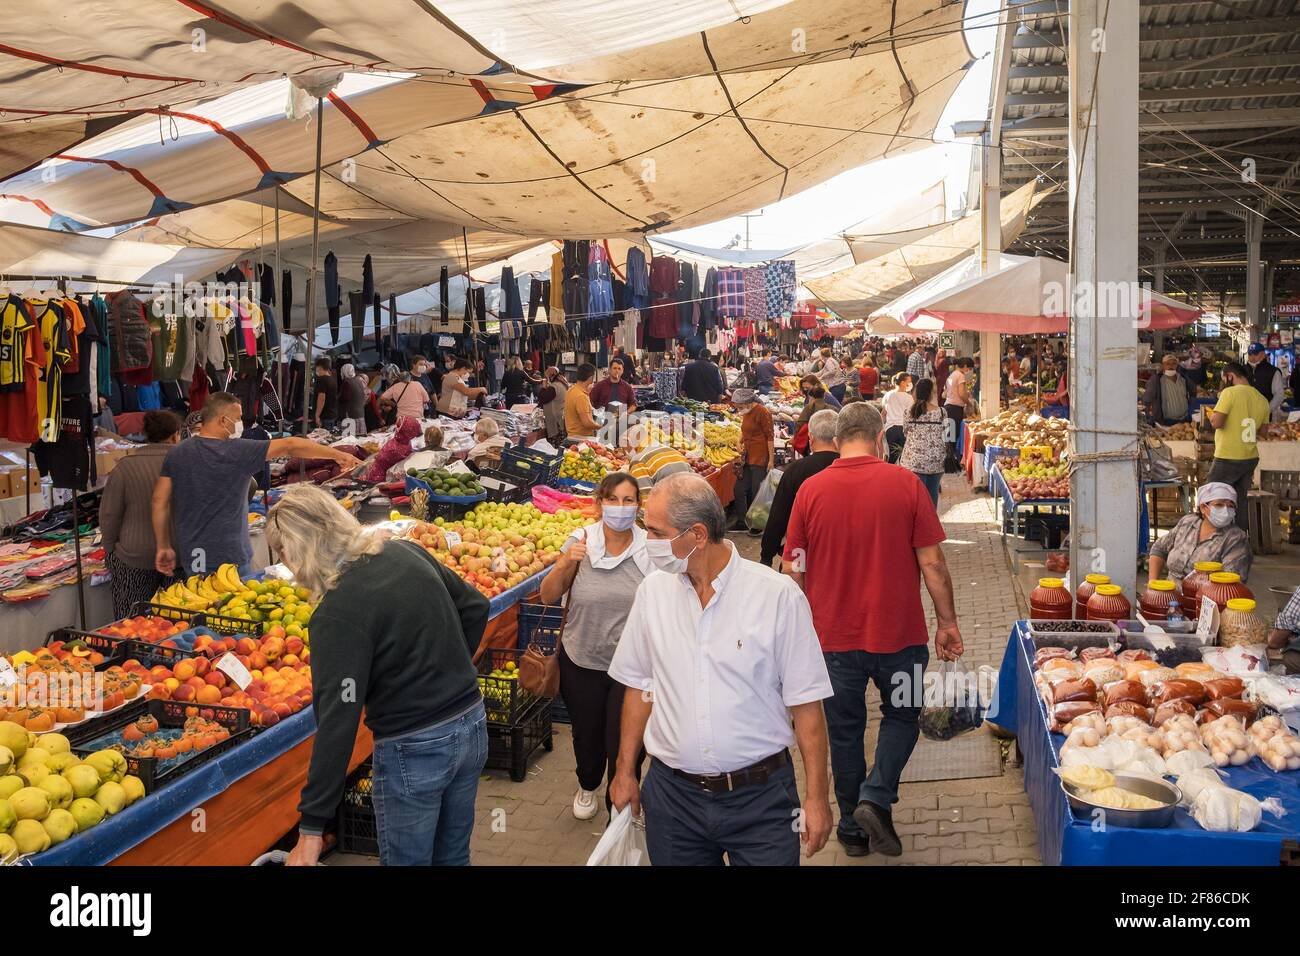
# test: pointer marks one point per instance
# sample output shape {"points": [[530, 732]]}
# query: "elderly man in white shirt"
{"points": [[723, 672]]}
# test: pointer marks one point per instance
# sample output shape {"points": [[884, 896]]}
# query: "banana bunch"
{"points": [[198, 593], [724, 436], [718, 456]]}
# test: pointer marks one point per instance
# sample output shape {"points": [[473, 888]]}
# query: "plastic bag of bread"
{"points": [[1275, 744], [1240, 660], [1181, 689], [1124, 690], [1080, 736], [1078, 689], [1243, 710], [1062, 666], [1226, 739], [1179, 736], [1067, 711], [1085, 757], [1224, 687], [1185, 761], [1093, 720], [1128, 657], [1173, 708], [1129, 756], [1045, 654], [1096, 653], [1193, 782], [1133, 668], [1087, 776], [1225, 810], [1103, 672], [1129, 708], [1196, 670]]}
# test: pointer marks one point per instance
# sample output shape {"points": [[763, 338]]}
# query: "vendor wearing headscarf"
{"points": [[757, 451], [396, 450], [489, 443], [352, 399], [1209, 533]]}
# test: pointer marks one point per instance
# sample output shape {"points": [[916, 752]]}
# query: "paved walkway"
{"points": [[980, 821]]}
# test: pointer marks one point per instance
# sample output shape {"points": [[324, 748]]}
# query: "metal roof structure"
{"points": [[1219, 139]]}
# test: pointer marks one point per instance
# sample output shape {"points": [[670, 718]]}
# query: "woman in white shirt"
{"points": [[456, 395], [896, 402], [410, 397], [599, 571]]}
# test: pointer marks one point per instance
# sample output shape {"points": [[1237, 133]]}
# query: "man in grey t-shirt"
{"points": [[204, 482]]}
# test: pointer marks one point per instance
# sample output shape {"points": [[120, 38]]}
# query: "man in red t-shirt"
{"points": [[862, 535]]}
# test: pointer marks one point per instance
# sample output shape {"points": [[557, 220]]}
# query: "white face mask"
{"points": [[238, 429], [660, 552], [1222, 516], [1171, 372], [619, 517]]}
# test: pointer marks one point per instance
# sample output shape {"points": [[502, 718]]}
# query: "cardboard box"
{"points": [[14, 482]]}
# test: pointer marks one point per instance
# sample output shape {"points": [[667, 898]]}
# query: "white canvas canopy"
{"points": [[857, 292]]}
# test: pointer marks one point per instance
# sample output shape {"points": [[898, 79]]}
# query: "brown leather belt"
{"points": [[755, 773]]}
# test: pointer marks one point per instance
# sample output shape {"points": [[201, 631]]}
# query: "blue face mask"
{"points": [[619, 517]]}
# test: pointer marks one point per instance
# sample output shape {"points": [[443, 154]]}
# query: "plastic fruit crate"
{"points": [[114, 649], [503, 697], [512, 491], [528, 467], [155, 772], [510, 747], [358, 831]]}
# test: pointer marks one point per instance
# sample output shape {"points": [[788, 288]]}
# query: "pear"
{"points": [[35, 773], [13, 736], [30, 837], [84, 780], [6, 760], [111, 797], [109, 764], [59, 789], [61, 762], [7, 816], [60, 825], [86, 812], [8, 849], [134, 788], [54, 743], [31, 803], [10, 785], [35, 757]]}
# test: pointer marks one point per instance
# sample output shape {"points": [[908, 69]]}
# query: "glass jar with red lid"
{"points": [[1108, 603], [1223, 587], [1084, 591], [1050, 601]]}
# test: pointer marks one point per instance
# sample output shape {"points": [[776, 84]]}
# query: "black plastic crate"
{"points": [[509, 748], [514, 492], [357, 830], [528, 467], [154, 609], [114, 649], [213, 620], [504, 697], [170, 713]]}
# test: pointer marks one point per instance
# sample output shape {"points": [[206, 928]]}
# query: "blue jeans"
{"points": [[846, 725], [932, 484], [688, 826], [425, 783]]}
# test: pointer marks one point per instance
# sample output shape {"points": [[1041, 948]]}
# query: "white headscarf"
{"points": [[595, 535], [1215, 491], [347, 371]]}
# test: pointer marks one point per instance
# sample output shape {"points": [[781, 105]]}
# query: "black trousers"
{"points": [[895, 437], [595, 704]]}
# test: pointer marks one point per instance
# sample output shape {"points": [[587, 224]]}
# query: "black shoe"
{"points": [[878, 824], [854, 845]]}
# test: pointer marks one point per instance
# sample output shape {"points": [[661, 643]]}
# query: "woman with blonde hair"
{"points": [[405, 662]]}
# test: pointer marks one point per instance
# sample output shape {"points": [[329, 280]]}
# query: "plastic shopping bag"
{"points": [[952, 704], [759, 508], [622, 843]]}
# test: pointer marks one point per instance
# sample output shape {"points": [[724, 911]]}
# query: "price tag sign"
{"points": [[446, 342], [453, 538], [7, 676], [1207, 626], [237, 672]]}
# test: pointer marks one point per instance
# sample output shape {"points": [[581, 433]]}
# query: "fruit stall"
{"points": [[1156, 758]]}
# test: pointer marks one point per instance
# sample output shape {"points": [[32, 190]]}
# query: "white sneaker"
{"points": [[584, 804]]}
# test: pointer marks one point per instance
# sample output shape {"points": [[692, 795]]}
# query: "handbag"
{"points": [[539, 671], [800, 441]]}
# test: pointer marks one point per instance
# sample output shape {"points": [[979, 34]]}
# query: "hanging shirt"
{"points": [[638, 279], [15, 324], [49, 318], [730, 285]]}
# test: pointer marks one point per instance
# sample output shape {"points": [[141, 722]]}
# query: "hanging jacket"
{"points": [[129, 333]]}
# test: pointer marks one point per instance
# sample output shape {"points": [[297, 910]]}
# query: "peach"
{"points": [[281, 709], [159, 673], [269, 718], [183, 693], [257, 661], [246, 646], [196, 682], [215, 678], [184, 669], [208, 695], [201, 666], [291, 660], [293, 645], [159, 692]]}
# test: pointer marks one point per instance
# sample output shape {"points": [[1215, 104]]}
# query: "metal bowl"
{"points": [[1161, 790]]}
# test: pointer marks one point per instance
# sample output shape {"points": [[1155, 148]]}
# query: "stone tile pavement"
{"points": [[975, 821]]}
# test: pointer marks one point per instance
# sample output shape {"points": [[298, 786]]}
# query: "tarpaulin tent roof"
{"points": [[25, 250], [915, 217], [1032, 294], [607, 159], [857, 292]]}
